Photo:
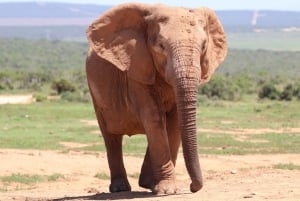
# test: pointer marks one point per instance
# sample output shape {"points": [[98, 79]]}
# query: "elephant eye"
{"points": [[161, 46], [204, 46]]}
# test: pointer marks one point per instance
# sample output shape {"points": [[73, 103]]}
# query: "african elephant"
{"points": [[144, 66]]}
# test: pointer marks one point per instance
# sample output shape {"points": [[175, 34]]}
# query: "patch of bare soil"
{"points": [[16, 99], [90, 122], [227, 178]]}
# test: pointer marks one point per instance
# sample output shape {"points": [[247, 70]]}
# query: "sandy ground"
{"points": [[16, 99], [227, 178]]}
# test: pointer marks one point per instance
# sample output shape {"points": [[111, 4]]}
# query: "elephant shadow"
{"points": [[110, 196]]}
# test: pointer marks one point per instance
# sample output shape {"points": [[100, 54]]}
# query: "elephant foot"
{"points": [[165, 187], [146, 181], [118, 185]]}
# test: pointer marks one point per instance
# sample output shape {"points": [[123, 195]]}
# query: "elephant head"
{"points": [[184, 46]]}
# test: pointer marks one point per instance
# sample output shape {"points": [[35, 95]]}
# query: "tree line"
{"points": [[58, 67]]}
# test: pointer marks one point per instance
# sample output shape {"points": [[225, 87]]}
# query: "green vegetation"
{"points": [[221, 87], [54, 67], [30, 179], [239, 93], [270, 39], [234, 128], [45, 125], [25, 181], [269, 91], [266, 39], [66, 33], [287, 166], [135, 175], [62, 86], [33, 66], [103, 176]]}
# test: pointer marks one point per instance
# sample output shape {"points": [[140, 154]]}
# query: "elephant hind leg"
{"points": [[119, 181]]}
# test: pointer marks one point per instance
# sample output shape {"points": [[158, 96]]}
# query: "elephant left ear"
{"points": [[216, 49]]}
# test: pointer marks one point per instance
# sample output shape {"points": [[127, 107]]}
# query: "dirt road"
{"points": [[227, 178]]}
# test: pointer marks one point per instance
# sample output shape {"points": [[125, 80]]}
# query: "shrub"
{"points": [[268, 91], [221, 87], [40, 98], [287, 93], [296, 90], [245, 82], [5, 83], [75, 97], [62, 86]]}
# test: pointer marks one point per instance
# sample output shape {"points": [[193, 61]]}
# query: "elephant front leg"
{"points": [[146, 179], [158, 157], [119, 181], [173, 133], [152, 115]]}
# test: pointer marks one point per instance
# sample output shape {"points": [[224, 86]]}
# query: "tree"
{"points": [[62, 86]]}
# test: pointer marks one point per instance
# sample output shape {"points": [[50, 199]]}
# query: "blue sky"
{"points": [[214, 4]]}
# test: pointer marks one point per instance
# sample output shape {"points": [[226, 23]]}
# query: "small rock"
{"points": [[250, 195], [91, 190], [233, 171]]}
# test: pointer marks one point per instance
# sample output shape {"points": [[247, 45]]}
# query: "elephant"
{"points": [[144, 65]]}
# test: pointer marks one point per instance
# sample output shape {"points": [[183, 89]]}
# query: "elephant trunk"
{"points": [[187, 73]]}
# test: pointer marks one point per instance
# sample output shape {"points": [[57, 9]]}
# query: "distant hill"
{"points": [[48, 14], [62, 21], [49, 10], [42, 13], [260, 19]]}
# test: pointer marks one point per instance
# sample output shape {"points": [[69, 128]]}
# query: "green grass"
{"points": [[286, 166], [226, 144], [271, 40], [102, 176], [44, 125], [30, 179], [134, 175], [19, 181], [249, 114]]}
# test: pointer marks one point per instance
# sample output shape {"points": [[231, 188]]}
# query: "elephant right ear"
{"points": [[118, 36]]}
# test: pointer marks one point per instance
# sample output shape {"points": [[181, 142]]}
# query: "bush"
{"points": [[221, 87], [268, 91], [245, 82], [296, 90], [287, 93], [62, 86], [40, 98], [75, 97], [5, 82]]}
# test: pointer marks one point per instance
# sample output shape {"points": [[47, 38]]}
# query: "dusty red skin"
{"points": [[143, 67]]}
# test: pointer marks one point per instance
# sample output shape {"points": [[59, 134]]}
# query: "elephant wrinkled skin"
{"points": [[144, 65]]}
